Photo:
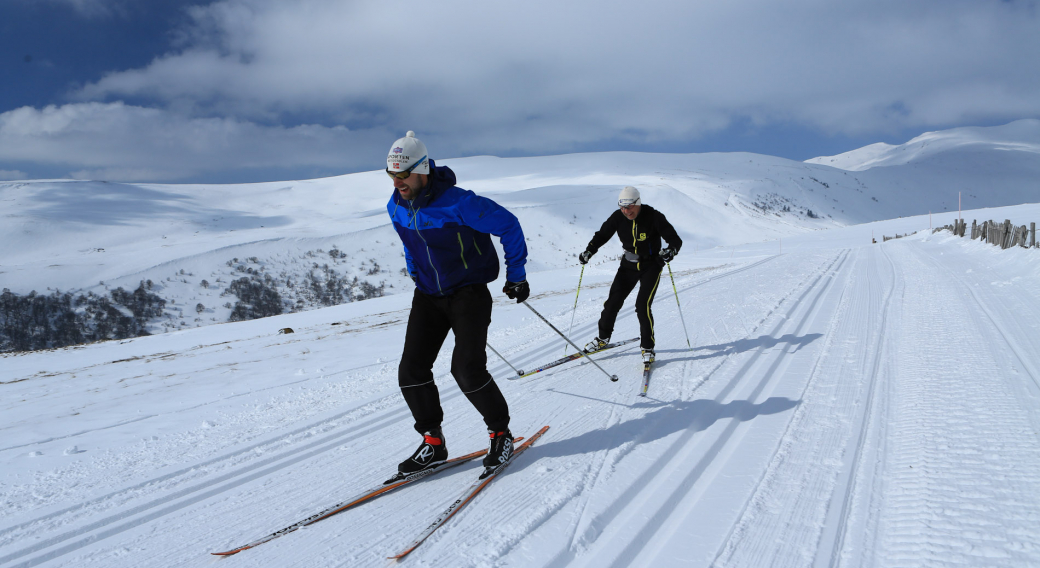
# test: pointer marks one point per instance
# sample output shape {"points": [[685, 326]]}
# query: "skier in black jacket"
{"points": [[640, 228]]}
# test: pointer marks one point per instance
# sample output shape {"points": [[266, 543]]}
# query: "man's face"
{"points": [[409, 187], [630, 211]]}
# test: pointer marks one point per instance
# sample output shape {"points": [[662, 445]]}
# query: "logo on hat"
{"points": [[398, 150]]}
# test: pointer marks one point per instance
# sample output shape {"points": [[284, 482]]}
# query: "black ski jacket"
{"points": [[641, 237]]}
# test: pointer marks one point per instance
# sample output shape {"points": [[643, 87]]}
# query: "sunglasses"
{"points": [[403, 174], [626, 203]]}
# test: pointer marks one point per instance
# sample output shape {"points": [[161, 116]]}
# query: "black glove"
{"points": [[667, 255], [518, 291], [584, 257], [414, 279]]}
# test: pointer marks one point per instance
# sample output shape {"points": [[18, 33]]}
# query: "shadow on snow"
{"points": [[740, 346], [693, 416]]}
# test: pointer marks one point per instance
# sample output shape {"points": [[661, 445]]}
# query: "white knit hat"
{"points": [[408, 153], [629, 196]]}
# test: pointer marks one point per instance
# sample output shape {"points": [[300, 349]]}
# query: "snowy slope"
{"points": [[842, 404], [193, 240], [989, 167]]}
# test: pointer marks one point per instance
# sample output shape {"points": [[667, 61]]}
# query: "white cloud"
{"points": [[584, 70], [129, 143], [547, 77], [13, 174]]}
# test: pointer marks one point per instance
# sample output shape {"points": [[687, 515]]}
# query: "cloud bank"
{"points": [[328, 83]]}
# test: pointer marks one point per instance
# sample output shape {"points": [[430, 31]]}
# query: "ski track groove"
{"points": [[588, 537], [801, 505], [757, 499], [707, 466], [364, 425], [841, 528], [240, 476]]}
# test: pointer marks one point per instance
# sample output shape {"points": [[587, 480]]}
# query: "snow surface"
{"points": [[840, 403]]}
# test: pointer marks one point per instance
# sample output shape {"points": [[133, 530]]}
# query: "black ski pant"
{"points": [[625, 280], [466, 313]]}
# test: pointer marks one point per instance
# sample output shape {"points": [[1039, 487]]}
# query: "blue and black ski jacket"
{"points": [[446, 232]]}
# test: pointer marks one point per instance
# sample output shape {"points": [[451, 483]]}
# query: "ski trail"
{"points": [[603, 440], [585, 491], [958, 492], [176, 500], [799, 511], [669, 478]]}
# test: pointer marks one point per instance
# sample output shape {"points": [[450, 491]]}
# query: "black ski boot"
{"points": [[499, 452], [431, 453]]}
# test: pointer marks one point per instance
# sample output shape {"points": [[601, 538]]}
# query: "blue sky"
{"points": [[254, 90]]}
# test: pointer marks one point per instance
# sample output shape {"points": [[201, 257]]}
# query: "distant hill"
{"points": [[215, 253], [989, 166]]}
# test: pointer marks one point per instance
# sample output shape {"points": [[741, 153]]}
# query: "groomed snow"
{"points": [[840, 402]]}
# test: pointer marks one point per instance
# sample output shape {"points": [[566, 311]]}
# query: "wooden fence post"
{"points": [[1032, 235]]}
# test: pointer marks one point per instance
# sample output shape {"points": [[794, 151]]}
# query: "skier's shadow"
{"points": [[692, 416], [741, 346]]}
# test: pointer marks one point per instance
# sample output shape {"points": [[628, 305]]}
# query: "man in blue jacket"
{"points": [[446, 231]]}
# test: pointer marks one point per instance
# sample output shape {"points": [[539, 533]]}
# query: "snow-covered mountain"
{"points": [[322, 242], [988, 167]]}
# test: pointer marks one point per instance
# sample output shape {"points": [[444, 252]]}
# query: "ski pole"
{"points": [[612, 377], [681, 318], [575, 310], [503, 358]]}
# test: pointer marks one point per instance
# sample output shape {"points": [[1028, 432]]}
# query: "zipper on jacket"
{"points": [[476, 246], [415, 223], [462, 251], [635, 243]]}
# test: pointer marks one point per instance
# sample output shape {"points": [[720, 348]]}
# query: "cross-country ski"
{"points": [[646, 378], [485, 478], [573, 357], [395, 482], [383, 489]]}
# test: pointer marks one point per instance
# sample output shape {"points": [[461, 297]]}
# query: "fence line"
{"points": [[1004, 235]]}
